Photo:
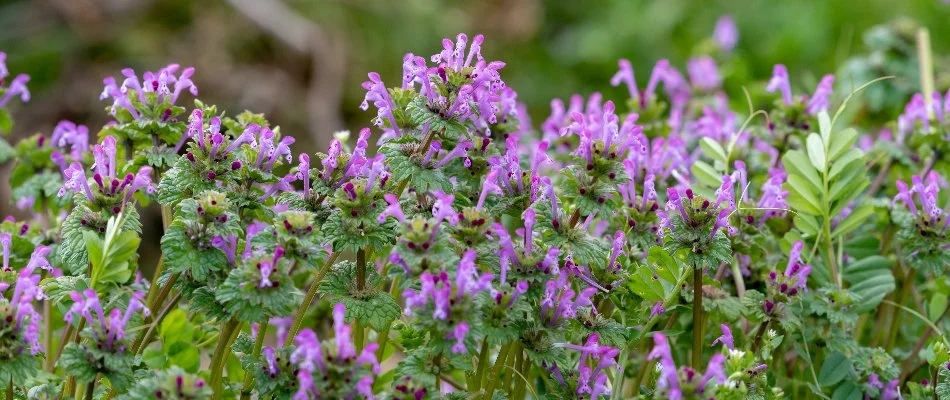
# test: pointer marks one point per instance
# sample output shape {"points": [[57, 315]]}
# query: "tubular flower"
{"points": [[675, 84], [18, 315], [107, 183], [726, 33], [820, 100], [780, 83], [107, 330], [787, 287], [75, 136], [592, 368], [166, 85], [333, 368], [560, 302], [677, 384], [703, 73]]}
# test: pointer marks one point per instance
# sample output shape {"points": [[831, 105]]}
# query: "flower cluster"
{"points": [[19, 318], [108, 331], [334, 369], [678, 383], [16, 87]]}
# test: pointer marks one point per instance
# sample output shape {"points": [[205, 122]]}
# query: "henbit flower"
{"points": [[726, 338], [442, 293], [820, 100], [68, 133], [676, 384], [227, 245], [625, 76], [657, 309], [107, 183], [458, 334], [891, 391], [282, 185], [559, 301], [23, 316], [333, 358], [703, 73], [927, 191], [4, 72], [592, 367], [726, 34], [17, 87], [780, 82], [108, 331], [773, 195], [377, 92]]}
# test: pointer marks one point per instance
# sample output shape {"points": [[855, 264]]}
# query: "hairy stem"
{"points": [[697, 318], [308, 299], [522, 379], [48, 333], [492, 379], [361, 270], [220, 357], [383, 338], [759, 334], [480, 368], [248, 377], [895, 322], [90, 389], [153, 288], [146, 338]]}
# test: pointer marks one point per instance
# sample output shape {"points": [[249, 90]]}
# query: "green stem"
{"points": [[48, 333], [90, 389], [492, 379], [522, 379], [512, 357], [220, 357], [358, 335], [697, 318], [361, 270], [248, 377], [480, 369], [10, 390], [895, 322], [383, 337], [146, 338], [758, 335], [308, 299], [153, 288]]}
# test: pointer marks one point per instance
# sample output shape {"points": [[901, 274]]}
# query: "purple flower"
{"points": [[108, 331], [438, 293], [820, 100], [67, 133], [340, 356], [458, 334], [624, 76], [559, 301], [392, 210], [442, 208], [282, 184], [891, 392], [23, 315], [592, 367], [17, 87], [668, 383], [780, 82], [773, 195], [726, 338], [726, 34], [927, 192], [797, 272], [107, 183], [703, 73], [228, 246]]}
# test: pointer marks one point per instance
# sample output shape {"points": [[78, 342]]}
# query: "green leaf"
{"points": [[706, 174], [847, 391], [796, 163], [6, 121], [851, 159], [824, 126], [372, 306], [835, 368], [800, 186], [871, 279], [816, 151], [937, 306], [806, 223], [841, 142], [713, 150], [858, 216]]}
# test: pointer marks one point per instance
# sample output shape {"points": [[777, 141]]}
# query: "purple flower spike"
{"points": [[434, 149], [392, 210], [489, 186], [703, 73], [668, 380], [726, 339], [780, 82], [303, 172], [625, 76], [17, 88], [726, 34], [442, 208], [458, 334], [820, 100]]}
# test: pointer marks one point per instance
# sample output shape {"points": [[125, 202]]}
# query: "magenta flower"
{"points": [[726, 338], [16, 88], [679, 384], [107, 183], [592, 367], [927, 192], [726, 34], [75, 136], [703, 73], [820, 100], [108, 330], [780, 83]]}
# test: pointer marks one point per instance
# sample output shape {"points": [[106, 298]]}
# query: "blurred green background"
{"points": [[301, 62]]}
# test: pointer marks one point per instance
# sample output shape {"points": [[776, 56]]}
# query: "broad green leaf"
{"points": [[937, 306], [713, 150], [824, 125], [801, 186], [835, 368], [871, 279], [806, 223], [858, 216], [841, 142], [847, 391], [706, 174], [845, 162], [796, 163], [816, 151]]}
